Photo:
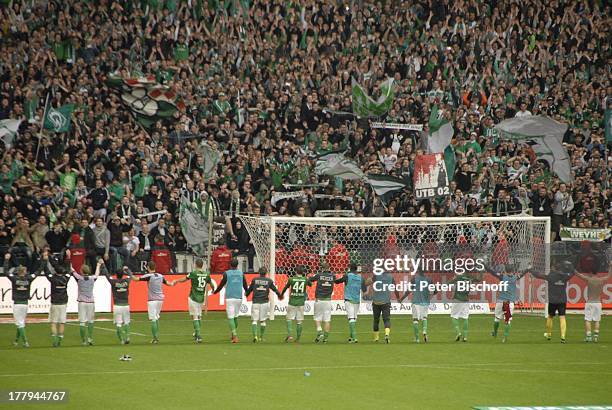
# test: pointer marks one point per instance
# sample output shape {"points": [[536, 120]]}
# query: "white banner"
{"points": [[365, 308], [40, 296], [397, 126]]}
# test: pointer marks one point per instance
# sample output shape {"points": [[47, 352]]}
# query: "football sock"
{"points": [[90, 328], [262, 330], [352, 329], [236, 323], [549, 326], [495, 327], [465, 328], [387, 331], [196, 327], [83, 332], [299, 330], [289, 328], [424, 326], [415, 327], [376, 336], [563, 325], [126, 331], [119, 333], [232, 325], [456, 325], [325, 335], [254, 330], [17, 335], [154, 328], [507, 329]]}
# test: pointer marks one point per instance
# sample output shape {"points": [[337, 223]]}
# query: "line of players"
{"points": [[234, 283]]}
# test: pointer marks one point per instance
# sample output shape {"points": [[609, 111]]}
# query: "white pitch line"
{"points": [[108, 330], [275, 369]]}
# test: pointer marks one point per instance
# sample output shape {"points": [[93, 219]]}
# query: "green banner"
{"points": [[583, 234]]}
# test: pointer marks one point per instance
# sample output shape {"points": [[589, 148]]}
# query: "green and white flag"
{"points": [[194, 225], [148, 100], [8, 131], [385, 186], [545, 138], [211, 158], [440, 132], [364, 106], [337, 165], [59, 119]]}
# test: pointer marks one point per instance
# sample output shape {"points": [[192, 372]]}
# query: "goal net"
{"points": [[284, 243]]}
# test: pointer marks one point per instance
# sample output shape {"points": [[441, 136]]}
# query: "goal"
{"points": [[284, 243]]}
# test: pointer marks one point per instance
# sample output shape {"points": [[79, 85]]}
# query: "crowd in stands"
{"points": [[267, 84]]}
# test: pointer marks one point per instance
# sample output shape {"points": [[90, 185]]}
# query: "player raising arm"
{"points": [[58, 276], [420, 304], [20, 282], [504, 306], [560, 273], [234, 281], [121, 305], [592, 308], [353, 286], [260, 287], [155, 297], [297, 299], [200, 280], [87, 309], [323, 294]]}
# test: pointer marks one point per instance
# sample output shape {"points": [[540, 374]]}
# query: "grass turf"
{"points": [[528, 370]]}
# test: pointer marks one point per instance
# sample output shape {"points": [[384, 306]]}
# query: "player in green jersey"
{"points": [[297, 299], [200, 280], [460, 305]]}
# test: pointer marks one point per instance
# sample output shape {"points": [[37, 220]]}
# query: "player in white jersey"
{"points": [[155, 297], [85, 298], [592, 308]]}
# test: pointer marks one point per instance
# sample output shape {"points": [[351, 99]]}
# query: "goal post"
{"points": [[283, 243]]}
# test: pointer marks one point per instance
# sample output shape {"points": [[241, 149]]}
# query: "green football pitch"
{"points": [[442, 374]]}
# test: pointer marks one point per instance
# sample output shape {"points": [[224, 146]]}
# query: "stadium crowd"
{"points": [[268, 84]]}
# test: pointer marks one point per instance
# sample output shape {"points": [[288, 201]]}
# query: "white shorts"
{"points": [[259, 312], [419, 312], [20, 311], [121, 315], [195, 308], [87, 312], [295, 313], [57, 314], [592, 311], [499, 311], [460, 310], [232, 307], [352, 309], [322, 310], [154, 308]]}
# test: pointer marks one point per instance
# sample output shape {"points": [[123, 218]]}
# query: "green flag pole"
{"points": [[42, 121]]}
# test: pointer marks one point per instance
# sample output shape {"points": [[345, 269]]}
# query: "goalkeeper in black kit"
{"points": [[260, 287]]}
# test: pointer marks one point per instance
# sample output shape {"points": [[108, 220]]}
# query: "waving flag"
{"points": [[336, 164], [386, 186], [8, 131], [364, 106], [148, 100], [59, 119], [194, 224], [545, 137], [440, 132]]}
